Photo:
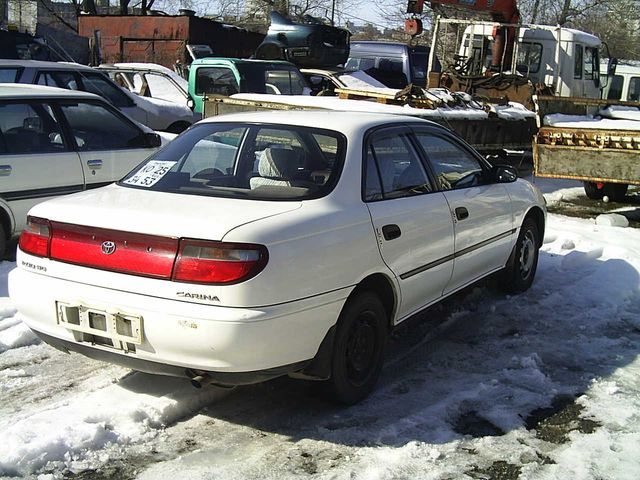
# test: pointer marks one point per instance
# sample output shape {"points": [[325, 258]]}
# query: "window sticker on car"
{"points": [[150, 173]]}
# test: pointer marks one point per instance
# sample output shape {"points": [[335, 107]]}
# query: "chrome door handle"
{"points": [[94, 164], [5, 170]]}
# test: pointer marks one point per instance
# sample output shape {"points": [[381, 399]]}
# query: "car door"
{"points": [[481, 210], [36, 160], [412, 222], [109, 144]]}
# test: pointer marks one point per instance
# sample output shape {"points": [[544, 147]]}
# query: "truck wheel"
{"points": [[615, 191], [521, 268], [592, 191], [358, 349]]}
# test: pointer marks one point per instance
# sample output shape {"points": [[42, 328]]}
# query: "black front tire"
{"points": [[592, 191], [358, 349], [521, 268]]}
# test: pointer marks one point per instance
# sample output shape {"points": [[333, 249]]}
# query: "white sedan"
{"points": [[263, 244]]}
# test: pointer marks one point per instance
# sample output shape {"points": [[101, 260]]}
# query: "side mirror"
{"points": [[504, 174], [145, 140], [190, 103]]}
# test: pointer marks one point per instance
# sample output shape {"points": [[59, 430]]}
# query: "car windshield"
{"points": [[253, 161]]}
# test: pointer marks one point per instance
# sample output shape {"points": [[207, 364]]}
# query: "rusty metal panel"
{"points": [[164, 52], [219, 105], [493, 134], [586, 163]]}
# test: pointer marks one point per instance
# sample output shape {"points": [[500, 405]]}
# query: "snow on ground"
{"points": [[544, 385]]}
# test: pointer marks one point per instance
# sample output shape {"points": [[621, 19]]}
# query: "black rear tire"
{"points": [[592, 191], [521, 268], [358, 349]]}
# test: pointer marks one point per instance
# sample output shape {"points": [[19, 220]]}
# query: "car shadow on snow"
{"points": [[479, 364]]}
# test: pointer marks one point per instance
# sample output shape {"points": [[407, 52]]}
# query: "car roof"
{"points": [[349, 122], [206, 60], [21, 90], [45, 65]]}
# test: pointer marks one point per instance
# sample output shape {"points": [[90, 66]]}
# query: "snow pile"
{"points": [[359, 80], [614, 117], [131, 411], [621, 112], [514, 112]]}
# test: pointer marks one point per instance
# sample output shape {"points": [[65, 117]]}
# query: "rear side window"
{"points": [[578, 60], [58, 79], [284, 82], [634, 89], [615, 87], [393, 164], [94, 127], [9, 75], [100, 85], [252, 161], [29, 128]]}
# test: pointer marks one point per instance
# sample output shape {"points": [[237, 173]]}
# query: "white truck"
{"points": [[538, 59]]}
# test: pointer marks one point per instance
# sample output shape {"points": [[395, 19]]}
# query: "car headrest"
{"points": [[277, 163]]}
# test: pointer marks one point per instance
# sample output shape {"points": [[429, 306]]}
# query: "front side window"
{"points": [[454, 167], [97, 128], [392, 158], [591, 64], [634, 90], [216, 81], [264, 162], [29, 128], [529, 57]]}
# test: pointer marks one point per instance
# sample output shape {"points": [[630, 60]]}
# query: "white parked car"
{"points": [[263, 244], [157, 114], [54, 142]]}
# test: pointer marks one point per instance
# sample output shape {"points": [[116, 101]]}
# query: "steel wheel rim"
{"points": [[527, 254], [361, 347]]}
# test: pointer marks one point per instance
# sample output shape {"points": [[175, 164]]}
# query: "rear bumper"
{"points": [[234, 345], [134, 363]]}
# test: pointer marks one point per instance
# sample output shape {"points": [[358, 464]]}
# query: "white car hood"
{"points": [[158, 213]]}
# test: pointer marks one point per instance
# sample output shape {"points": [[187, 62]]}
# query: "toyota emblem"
{"points": [[108, 247]]}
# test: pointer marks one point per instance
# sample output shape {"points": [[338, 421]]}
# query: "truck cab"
{"points": [[227, 76], [564, 59]]}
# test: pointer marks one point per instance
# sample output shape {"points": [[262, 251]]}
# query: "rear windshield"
{"points": [[253, 161]]}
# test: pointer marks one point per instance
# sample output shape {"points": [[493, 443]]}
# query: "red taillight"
{"points": [[135, 253], [36, 237], [218, 263]]}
